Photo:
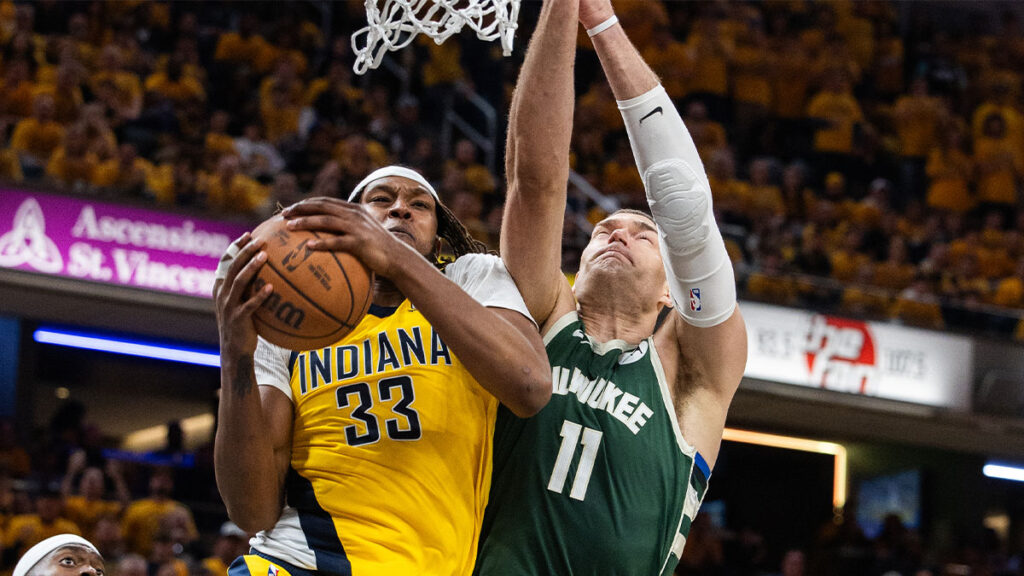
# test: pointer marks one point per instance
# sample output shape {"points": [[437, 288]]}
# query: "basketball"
{"points": [[318, 296]]}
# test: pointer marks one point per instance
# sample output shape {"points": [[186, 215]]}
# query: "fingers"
{"points": [[242, 259], [246, 274]]}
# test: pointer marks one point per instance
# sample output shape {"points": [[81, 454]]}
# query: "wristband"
{"points": [[603, 26]]}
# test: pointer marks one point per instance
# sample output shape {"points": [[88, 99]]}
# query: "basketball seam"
{"points": [[307, 299], [348, 282], [299, 334]]}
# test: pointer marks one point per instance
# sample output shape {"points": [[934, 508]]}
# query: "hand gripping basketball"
{"points": [[318, 296], [235, 304]]}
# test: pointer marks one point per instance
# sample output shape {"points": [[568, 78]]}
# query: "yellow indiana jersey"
{"points": [[391, 454]]}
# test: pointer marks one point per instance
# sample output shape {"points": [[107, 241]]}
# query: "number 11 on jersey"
{"points": [[571, 432]]}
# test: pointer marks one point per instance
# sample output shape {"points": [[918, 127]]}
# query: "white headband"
{"points": [[393, 171], [37, 552]]}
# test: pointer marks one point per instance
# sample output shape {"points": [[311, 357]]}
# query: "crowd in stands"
{"points": [[132, 507], [854, 169]]}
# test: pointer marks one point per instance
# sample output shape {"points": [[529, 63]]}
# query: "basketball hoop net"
{"points": [[394, 24]]}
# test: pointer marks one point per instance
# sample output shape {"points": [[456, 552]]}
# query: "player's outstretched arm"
{"points": [[252, 445], [708, 325], [537, 162]]}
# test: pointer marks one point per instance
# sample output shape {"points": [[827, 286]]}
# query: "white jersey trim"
{"points": [[599, 348]]}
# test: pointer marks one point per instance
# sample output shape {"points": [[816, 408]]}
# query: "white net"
{"points": [[394, 24]]}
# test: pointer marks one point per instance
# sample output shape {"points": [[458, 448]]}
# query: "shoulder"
{"points": [[478, 269], [485, 278], [473, 264]]}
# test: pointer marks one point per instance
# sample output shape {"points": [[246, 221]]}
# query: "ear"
{"points": [[666, 297]]}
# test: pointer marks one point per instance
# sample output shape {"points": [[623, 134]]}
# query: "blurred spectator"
{"points": [[132, 565], [36, 138], [707, 134], [283, 193], [67, 93], [260, 159], [18, 90], [950, 169], [917, 117], [108, 537], [918, 306], [704, 553], [74, 164], [998, 159], [839, 110], [102, 141], [14, 460], [127, 172], [231, 543], [478, 178], [711, 52], [119, 89], [172, 83], [26, 530], [245, 46], [765, 197], [218, 142], [142, 518], [86, 507], [229, 190]]}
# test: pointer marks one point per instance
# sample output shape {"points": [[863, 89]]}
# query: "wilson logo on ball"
{"points": [[288, 313]]}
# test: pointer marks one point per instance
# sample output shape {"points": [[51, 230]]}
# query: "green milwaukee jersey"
{"points": [[599, 482]]}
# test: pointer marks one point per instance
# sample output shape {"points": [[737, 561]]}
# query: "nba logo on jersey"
{"points": [[272, 570], [695, 299]]}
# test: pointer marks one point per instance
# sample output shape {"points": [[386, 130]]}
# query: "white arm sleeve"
{"points": [[485, 278], [698, 269]]}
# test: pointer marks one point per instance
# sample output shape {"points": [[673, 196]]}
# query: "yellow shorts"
{"points": [[259, 565]]}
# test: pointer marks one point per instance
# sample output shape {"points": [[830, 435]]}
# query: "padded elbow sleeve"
{"points": [[698, 269]]}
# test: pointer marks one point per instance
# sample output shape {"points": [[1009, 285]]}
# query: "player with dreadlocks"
{"points": [[372, 456]]}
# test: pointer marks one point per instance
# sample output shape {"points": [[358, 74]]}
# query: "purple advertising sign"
{"points": [[109, 243]]}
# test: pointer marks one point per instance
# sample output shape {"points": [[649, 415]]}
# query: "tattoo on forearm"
{"points": [[243, 384]]}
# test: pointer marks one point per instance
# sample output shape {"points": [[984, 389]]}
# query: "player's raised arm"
{"points": [[698, 269], [537, 160], [254, 422]]}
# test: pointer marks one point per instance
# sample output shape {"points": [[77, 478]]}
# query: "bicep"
{"points": [[277, 416], [531, 246]]}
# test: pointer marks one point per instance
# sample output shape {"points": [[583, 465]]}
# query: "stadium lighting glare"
{"points": [[838, 451], [127, 346], [1003, 472]]}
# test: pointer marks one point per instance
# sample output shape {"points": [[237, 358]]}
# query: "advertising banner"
{"points": [[109, 243], [867, 358]]}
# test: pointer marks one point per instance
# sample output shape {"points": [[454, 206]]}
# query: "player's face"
{"points": [[623, 248], [71, 560], [406, 209]]}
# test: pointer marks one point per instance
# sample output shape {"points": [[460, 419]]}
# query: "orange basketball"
{"points": [[318, 297]]}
